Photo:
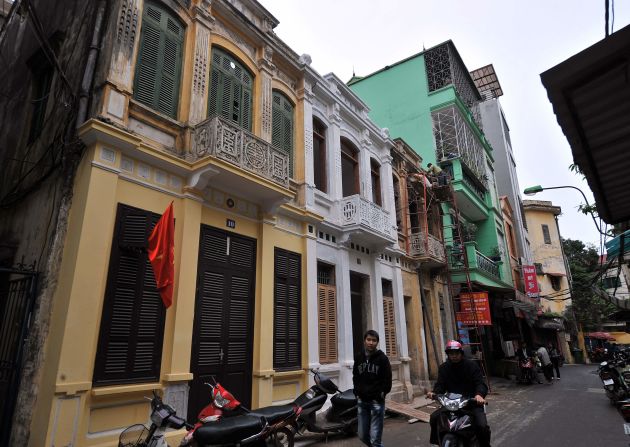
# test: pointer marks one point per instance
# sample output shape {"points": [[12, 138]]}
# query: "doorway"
{"points": [[359, 310], [224, 317]]}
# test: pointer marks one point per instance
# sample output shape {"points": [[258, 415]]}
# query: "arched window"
{"points": [[375, 175], [282, 126], [230, 89], [349, 168], [319, 155], [158, 69]]}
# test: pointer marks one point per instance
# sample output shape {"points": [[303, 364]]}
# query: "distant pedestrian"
{"points": [[372, 379], [547, 367], [555, 359]]}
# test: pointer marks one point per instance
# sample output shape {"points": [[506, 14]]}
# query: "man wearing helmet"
{"points": [[462, 376]]}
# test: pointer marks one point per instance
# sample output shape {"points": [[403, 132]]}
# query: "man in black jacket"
{"points": [[372, 378], [461, 376]]}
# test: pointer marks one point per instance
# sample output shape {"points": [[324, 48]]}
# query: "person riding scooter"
{"points": [[461, 376]]}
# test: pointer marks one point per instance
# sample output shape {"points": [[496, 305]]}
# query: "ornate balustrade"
{"points": [[427, 246], [487, 265], [355, 210], [222, 139]]}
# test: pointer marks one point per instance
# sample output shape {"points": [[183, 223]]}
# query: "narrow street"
{"points": [[571, 412]]}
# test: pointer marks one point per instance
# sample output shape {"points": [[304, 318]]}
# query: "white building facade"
{"points": [[354, 280]]}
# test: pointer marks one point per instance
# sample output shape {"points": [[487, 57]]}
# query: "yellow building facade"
{"points": [[551, 268], [201, 106]]}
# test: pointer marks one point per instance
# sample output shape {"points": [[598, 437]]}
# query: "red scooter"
{"points": [[224, 421]]}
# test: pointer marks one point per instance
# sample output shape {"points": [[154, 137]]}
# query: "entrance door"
{"points": [[359, 320], [224, 317]]}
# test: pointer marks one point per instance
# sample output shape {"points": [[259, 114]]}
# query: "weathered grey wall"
{"points": [[36, 185]]}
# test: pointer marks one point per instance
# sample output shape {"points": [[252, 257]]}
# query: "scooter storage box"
{"points": [[274, 413], [346, 399], [228, 430]]}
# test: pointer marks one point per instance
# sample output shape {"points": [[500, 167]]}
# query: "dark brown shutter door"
{"points": [[287, 310], [132, 323]]}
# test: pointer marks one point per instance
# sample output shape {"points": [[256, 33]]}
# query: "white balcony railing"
{"points": [[220, 138], [355, 210], [427, 246]]}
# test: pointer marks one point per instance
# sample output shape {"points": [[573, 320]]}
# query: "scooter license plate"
{"points": [[608, 381]]}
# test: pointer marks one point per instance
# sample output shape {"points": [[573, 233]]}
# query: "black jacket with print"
{"points": [[372, 376]]}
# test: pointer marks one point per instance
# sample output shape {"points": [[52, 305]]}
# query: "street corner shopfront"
{"points": [[237, 313]]}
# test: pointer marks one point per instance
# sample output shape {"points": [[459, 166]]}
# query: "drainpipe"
{"points": [[90, 66]]}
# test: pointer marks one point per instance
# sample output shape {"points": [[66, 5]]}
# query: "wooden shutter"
{"points": [[282, 130], [287, 346], [132, 323], [158, 68], [546, 235], [230, 89], [390, 326], [327, 309]]}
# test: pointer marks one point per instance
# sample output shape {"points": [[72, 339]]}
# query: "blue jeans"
{"points": [[370, 418]]}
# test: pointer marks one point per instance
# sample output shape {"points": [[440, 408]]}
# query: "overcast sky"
{"points": [[520, 38]]}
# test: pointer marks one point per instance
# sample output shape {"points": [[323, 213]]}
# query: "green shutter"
{"points": [[158, 68], [230, 90], [282, 127]]}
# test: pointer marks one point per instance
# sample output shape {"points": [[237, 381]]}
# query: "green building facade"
{"points": [[431, 101]]}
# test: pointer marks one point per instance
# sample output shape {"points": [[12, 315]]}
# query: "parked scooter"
{"points": [[528, 371], [613, 385], [225, 414], [341, 417], [163, 416], [455, 426]]}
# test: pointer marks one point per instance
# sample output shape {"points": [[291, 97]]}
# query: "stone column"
{"points": [[267, 71], [401, 331], [305, 97], [201, 74], [334, 153], [344, 319], [312, 300]]}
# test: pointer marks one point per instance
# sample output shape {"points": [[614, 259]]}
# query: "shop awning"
{"points": [[601, 336], [555, 274], [554, 323]]}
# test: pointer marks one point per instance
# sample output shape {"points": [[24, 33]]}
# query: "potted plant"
{"points": [[495, 254], [469, 231]]}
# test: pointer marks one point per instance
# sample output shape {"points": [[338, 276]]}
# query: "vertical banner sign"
{"points": [[482, 307], [531, 282]]}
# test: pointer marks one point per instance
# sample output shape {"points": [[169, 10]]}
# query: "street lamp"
{"points": [[536, 189]]}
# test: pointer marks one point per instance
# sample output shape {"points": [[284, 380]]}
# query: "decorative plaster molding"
{"points": [[127, 25], [235, 38]]}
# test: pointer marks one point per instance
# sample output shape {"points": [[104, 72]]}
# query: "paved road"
{"points": [[571, 412]]}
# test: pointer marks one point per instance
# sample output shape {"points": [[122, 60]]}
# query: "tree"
{"points": [[589, 309]]}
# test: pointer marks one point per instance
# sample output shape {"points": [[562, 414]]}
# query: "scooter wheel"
{"points": [[450, 440], [284, 437]]}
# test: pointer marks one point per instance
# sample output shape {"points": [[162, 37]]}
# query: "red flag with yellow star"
{"points": [[161, 254]]}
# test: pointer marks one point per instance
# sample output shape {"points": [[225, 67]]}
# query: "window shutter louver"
{"points": [[287, 352], [132, 323], [158, 66], [390, 326], [327, 307], [282, 126], [230, 90]]}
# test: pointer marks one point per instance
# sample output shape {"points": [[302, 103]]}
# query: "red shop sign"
{"points": [[531, 282], [482, 308]]}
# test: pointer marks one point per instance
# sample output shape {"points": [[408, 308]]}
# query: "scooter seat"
{"points": [[228, 430], [275, 413], [346, 399]]}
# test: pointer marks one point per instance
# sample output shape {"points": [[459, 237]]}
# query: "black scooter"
{"points": [[455, 425], [341, 417]]}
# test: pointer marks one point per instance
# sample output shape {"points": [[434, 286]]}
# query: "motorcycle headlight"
{"points": [[626, 375], [220, 401], [451, 405]]}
